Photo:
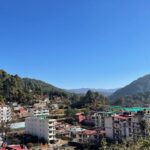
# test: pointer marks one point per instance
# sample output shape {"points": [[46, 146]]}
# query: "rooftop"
{"points": [[89, 132], [129, 109], [76, 129], [120, 117], [14, 147]]}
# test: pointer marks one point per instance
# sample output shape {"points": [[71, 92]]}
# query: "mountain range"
{"points": [[105, 92], [13, 87]]}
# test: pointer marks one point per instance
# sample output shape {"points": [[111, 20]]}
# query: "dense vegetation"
{"points": [[142, 143], [92, 100], [24, 90], [139, 99], [140, 85]]}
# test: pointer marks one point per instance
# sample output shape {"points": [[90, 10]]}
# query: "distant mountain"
{"points": [[105, 92], [140, 85]]}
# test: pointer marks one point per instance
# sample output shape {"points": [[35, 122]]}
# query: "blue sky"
{"points": [[76, 43]]}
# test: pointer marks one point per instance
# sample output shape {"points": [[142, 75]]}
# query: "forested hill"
{"points": [[140, 99], [15, 88], [34, 84], [140, 85]]}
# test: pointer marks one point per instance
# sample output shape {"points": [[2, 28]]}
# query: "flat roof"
{"points": [[130, 109], [17, 125]]}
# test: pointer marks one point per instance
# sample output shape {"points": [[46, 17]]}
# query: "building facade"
{"points": [[41, 127], [125, 126], [38, 112], [5, 113], [99, 119]]}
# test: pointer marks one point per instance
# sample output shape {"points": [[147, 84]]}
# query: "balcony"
{"points": [[51, 124], [52, 129], [52, 138], [51, 133]]}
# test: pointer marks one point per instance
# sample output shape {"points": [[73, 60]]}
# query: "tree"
{"points": [[143, 127], [145, 142], [2, 99], [103, 144], [71, 112]]}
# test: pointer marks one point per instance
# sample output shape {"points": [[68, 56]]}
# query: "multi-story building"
{"points": [[5, 113], [135, 123], [42, 127], [124, 126], [121, 127], [99, 118], [117, 127], [38, 112]]}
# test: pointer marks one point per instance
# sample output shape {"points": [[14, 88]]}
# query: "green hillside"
{"points": [[15, 88], [140, 85]]}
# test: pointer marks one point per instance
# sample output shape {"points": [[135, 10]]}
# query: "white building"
{"points": [[41, 127], [38, 112], [5, 113]]}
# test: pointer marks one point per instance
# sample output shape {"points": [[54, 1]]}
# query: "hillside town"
{"points": [[74, 75], [46, 126]]}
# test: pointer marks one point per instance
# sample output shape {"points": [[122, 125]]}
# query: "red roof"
{"points": [[15, 147], [22, 110], [89, 132]]}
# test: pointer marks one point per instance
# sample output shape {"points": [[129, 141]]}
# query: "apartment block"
{"points": [[5, 113], [99, 118], [38, 112], [42, 127]]}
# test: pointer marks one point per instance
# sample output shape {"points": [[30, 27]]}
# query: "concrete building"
{"points": [[109, 127], [90, 136], [118, 127], [121, 127], [42, 127], [81, 135], [99, 118], [5, 113], [124, 126], [38, 112]]}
